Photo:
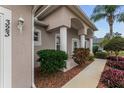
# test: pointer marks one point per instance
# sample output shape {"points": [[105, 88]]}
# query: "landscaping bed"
{"points": [[112, 75], [58, 79]]}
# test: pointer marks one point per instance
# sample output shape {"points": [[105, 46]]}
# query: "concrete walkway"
{"points": [[89, 77]]}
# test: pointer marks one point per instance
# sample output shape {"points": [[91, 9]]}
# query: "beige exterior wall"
{"points": [[62, 16], [57, 18], [22, 42], [21, 47], [47, 39]]}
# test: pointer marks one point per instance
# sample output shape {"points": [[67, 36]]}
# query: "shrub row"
{"points": [[51, 60], [113, 78], [101, 55]]}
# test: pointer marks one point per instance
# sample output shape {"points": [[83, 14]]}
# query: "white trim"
{"points": [[91, 45], [7, 56], [57, 34], [73, 40], [1, 52], [39, 42], [63, 38], [82, 39], [33, 84]]}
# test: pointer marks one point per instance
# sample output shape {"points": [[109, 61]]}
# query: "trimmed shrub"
{"points": [[113, 78], [95, 49], [101, 55], [51, 60], [116, 44], [90, 58], [81, 55], [115, 64]]}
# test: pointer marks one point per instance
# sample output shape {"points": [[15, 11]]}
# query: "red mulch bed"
{"points": [[58, 79]]}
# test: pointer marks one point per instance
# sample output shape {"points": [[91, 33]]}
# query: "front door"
{"points": [[5, 48]]}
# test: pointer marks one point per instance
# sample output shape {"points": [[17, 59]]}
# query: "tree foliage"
{"points": [[110, 13], [104, 42], [115, 44]]}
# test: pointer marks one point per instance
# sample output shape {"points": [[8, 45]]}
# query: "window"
{"points": [[75, 44], [57, 42], [37, 38]]}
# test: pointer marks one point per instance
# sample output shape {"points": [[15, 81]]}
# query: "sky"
{"points": [[102, 25]]}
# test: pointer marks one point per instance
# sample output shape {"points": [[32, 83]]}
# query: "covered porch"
{"points": [[76, 36], [69, 38], [65, 33]]}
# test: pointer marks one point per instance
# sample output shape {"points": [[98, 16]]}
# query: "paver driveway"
{"points": [[89, 77]]}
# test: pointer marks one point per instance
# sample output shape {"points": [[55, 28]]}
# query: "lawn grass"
{"points": [[121, 53]]}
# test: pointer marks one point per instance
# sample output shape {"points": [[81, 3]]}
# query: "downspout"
{"points": [[33, 11]]}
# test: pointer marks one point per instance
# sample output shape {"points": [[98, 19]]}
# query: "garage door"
{"points": [[5, 47]]}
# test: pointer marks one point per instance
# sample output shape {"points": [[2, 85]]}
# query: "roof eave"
{"points": [[80, 11], [84, 15]]}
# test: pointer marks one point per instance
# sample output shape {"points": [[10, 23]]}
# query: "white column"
{"points": [[91, 45], [63, 38], [82, 37]]}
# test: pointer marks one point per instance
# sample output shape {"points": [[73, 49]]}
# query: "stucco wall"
{"points": [[57, 18], [47, 39], [62, 16], [21, 47]]}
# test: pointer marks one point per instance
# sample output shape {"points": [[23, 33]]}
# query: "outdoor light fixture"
{"points": [[20, 24]]}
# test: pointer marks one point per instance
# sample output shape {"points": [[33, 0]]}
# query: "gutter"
{"points": [[35, 8], [43, 11], [36, 21]]}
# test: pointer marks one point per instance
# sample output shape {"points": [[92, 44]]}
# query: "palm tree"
{"points": [[109, 12]]}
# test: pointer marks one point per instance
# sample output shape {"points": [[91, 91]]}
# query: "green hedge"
{"points": [[101, 55], [51, 60], [95, 49]]}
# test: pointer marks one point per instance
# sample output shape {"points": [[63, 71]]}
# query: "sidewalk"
{"points": [[89, 77]]}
